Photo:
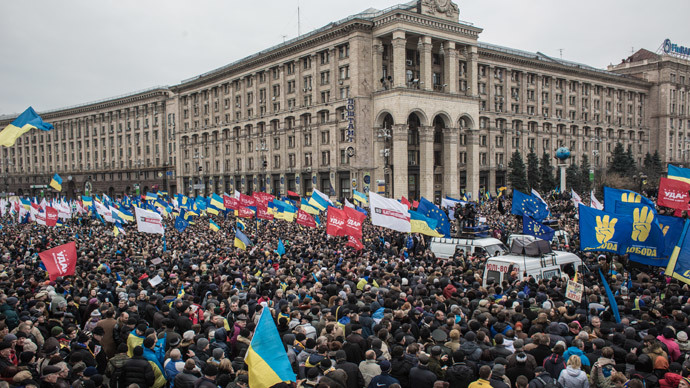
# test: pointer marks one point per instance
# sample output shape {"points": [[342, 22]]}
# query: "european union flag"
{"points": [[529, 205], [432, 211], [536, 229], [181, 224], [679, 263], [613, 195], [601, 231]]}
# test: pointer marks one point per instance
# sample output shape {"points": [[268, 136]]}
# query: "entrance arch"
{"points": [[414, 121]]}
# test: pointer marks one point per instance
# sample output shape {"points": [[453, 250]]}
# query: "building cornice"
{"points": [[534, 63], [402, 16], [261, 59]]}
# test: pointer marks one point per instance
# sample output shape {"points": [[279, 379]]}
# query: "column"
{"points": [[492, 180], [451, 185], [472, 87], [399, 172], [473, 162], [377, 54], [424, 47], [426, 162], [450, 68], [399, 48]]}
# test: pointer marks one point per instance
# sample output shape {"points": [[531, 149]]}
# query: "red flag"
{"points": [[292, 194], [233, 202], [405, 202], [245, 213], [354, 242], [144, 276], [353, 227], [263, 198], [51, 216], [673, 194], [304, 218], [60, 261], [246, 200], [415, 204], [227, 201], [336, 222], [262, 213]]}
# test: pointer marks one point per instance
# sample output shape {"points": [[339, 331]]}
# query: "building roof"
{"points": [[641, 55]]}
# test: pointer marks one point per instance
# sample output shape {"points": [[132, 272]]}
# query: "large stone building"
{"points": [[403, 100]]}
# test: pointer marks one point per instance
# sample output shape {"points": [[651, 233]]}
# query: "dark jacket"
{"points": [[460, 375], [400, 369], [422, 377], [540, 353], [497, 382], [554, 364], [542, 380], [354, 375], [203, 382], [138, 371], [383, 380], [519, 370], [186, 379]]}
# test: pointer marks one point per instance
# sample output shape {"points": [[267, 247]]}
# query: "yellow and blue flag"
{"points": [[647, 245], [151, 196], [25, 122], [601, 231], [318, 202], [87, 201], [241, 240], [309, 209], [419, 223], [56, 182], [266, 357], [359, 197], [679, 263], [612, 195], [213, 226], [679, 173], [217, 202], [430, 210], [241, 225]]}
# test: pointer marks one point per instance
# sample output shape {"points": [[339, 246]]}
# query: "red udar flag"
{"points": [[405, 202], [353, 226], [354, 242], [336, 222], [262, 213], [263, 198], [245, 213], [60, 261], [673, 194], [246, 200], [227, 201], [51, 216], [303, 218]]}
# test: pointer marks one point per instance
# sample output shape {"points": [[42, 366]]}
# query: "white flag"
{"points": [[595, 202], [576, 198], [389, 213], [535, 193], [349, 204], [148, 221]]}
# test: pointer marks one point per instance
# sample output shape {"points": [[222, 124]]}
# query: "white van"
{"points": [[556, 263], [445, 247]]}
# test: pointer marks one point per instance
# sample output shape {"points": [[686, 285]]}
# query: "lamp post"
{"points": [[137, 186], [198, 156], [385, 134], [263, 179]]}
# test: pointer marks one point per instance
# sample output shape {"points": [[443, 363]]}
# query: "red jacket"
{"points": [[670, 380]]}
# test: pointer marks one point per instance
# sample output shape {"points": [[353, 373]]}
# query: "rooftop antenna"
{"points": [[561, 51], [632, 50], [284, 36], [299, 27]]}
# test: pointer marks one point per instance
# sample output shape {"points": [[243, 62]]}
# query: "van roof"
{"points": [[560, 257], [481, 242]]}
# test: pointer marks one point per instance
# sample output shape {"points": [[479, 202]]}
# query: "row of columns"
{"points": [[451, 169], [425, 45]]}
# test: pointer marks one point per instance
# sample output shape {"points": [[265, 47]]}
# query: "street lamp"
{"points": [[386, 134], [263, 148], [198, 156]]}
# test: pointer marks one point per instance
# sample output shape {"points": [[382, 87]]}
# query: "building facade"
{"points": [[404, 100]]}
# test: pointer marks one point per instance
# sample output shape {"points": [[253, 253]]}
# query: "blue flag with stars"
{"points": [[536, 229], [181, 224], [432, 211], [529, 205]]}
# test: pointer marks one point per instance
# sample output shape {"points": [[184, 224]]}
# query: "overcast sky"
{"points": [[62, 53]]}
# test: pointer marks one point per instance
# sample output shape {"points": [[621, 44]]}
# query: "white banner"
{"points": [[595, 202], [389, 213], [148, 221]]}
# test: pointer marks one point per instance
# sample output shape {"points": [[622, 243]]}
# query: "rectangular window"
{"points": [[325, 77]]}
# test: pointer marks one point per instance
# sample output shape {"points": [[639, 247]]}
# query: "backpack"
{"points": [[607, 370], [552, 384]]}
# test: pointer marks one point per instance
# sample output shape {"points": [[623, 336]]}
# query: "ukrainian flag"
{"points": [[217, 202], [59, 223], [87, 201], [212, 210], [241, 240], [21, 125], [420, 223], [151, 196], [126, 215], [56, 182], [213, 226], [318, 202], [266, 357], [309, 209], [241, 224], [359, 197], [26, 203]]}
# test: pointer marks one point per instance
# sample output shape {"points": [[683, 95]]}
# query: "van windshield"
{"points": [[496, 249]]}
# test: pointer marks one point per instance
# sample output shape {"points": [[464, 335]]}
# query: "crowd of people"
{"points": [[389, 315]]}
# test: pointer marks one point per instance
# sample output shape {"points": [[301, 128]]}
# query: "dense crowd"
{"points": [[389, 315]]}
